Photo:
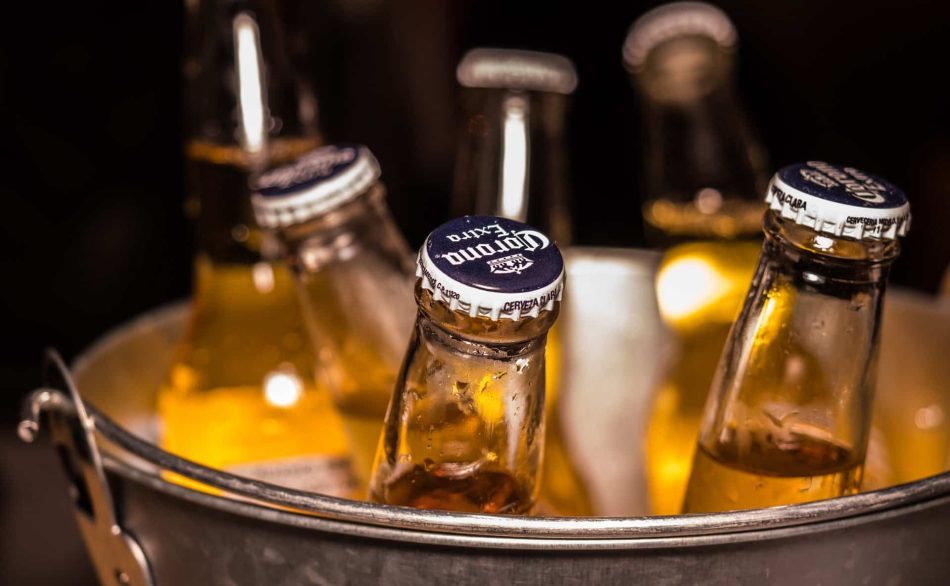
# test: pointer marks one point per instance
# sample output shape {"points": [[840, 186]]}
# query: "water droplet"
{"points": [[858, 301], [521, 364]]}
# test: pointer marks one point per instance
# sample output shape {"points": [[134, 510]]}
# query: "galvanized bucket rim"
{"points": [[531, 533], [462, 529]]}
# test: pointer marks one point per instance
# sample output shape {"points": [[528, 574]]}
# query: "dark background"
{"points": [[93, 231]]}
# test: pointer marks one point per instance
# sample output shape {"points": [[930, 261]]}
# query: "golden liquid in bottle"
{"points": [[464, 433], [767, 452], [563, 492], [363, 424], [457, 488], [914, 423], [362, 368], [700, 289], [240, 395], [760, 472], [460, 432], [466, 430], [918, 444]]}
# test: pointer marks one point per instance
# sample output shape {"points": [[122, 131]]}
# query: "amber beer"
{"points": [[512, 162], [240, 394], [465, 427], [702, 179], [789, 414], [353, 272]]}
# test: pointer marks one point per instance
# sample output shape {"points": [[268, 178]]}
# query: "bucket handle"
{"points": [[116, 556]]}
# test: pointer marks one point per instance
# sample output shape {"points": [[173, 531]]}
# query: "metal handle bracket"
{"points": [[116, 556]]}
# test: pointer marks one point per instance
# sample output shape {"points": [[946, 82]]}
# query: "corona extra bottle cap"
{"points": [[839, 200], [491, 267], [313, 184]]}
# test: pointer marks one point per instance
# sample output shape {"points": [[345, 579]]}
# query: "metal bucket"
{"points": [[142, 529]]}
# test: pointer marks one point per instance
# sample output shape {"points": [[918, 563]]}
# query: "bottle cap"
{"points": [[672, 20], [517, 70], [839, 200], [492, 267], [313, 184]]}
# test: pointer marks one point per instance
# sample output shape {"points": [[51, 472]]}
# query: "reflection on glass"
{"points": [[514, 160], [251, 95]]}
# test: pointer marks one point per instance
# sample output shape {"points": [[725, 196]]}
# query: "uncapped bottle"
{"points": [[512, 162], [354, 277], [703, 176], [789, 411], [512, 159], [465, 427], [241, 394]]}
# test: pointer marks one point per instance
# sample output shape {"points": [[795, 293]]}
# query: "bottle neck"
{"points": [[703, 170], [512, 159], [245, 109], [801, 359], [464, 430], [482, 336], [344, 232]]}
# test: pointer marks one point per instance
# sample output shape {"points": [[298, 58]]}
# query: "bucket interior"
{"points": [[615, 348]]}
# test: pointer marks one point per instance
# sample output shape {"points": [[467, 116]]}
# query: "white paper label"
{"points": [[321, 474]]}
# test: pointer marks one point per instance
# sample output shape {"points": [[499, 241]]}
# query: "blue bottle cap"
{"points": [[313, 184], [839, 200], [491, 267]]}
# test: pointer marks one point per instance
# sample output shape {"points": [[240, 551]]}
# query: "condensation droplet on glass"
{"points": [[521, 364], [858, 301], [434, 367]]}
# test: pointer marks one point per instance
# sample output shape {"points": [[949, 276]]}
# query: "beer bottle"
{"points": [[464, 430], [241, 393], [789, 411], [354, 276], [512, 160], [703, 174], [512, 163]]}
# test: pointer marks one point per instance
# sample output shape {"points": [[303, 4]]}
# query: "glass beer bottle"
{"points": [[512, 162], [465, 427], [241, 394], [789, 412], [703, 174], [354, 277]]}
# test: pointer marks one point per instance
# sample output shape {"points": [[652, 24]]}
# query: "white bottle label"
{"points": [[321, 474]]}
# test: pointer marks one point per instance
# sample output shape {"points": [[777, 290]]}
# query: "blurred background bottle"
{"points": [[512, 162], [354, 274], [789, 414], [465, 428], [703, 173], [241, 394]]}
